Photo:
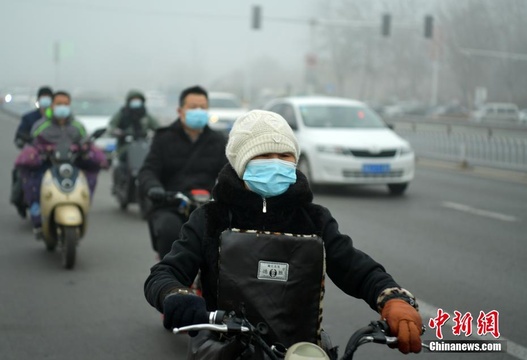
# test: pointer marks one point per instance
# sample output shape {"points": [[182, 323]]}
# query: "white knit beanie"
{"points": [[259, 132]]}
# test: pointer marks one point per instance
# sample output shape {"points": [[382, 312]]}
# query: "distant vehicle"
{"points": [[18, 100], [404, 108], [394, 110], [497, 112], [95, 113], [523, 116], [224, 109], [157, 105], [344, 141], [452, 110]]}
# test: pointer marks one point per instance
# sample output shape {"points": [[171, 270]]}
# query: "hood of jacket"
{"points": [[134, 94]]}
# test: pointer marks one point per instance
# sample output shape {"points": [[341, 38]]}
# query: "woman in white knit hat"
{"points": [[263, 249]]}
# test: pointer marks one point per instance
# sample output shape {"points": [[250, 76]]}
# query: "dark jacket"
{"points": [[172, 165], [48, 131], [28, 120], [135, 122], [351, 270]]}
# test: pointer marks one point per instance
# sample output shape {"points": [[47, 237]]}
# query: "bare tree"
{"points": [[477, 43]]}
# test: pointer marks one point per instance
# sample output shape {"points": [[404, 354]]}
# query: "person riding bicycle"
{"points": [[183, 156], [263, 249], [46, 134], [134, 120]]}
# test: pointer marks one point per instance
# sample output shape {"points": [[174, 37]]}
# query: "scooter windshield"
{"points": [[63, 151]]}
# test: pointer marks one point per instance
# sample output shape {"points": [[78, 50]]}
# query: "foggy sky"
{"points": [[113, 45]]}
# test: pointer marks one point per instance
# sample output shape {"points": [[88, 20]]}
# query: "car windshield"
{"points": [[340, 116], [224, 103], [95, 107]]}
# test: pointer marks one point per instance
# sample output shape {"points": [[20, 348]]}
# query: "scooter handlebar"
{"points": [[218, 321], [221, 321]]}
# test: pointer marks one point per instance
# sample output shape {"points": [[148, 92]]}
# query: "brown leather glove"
{"points": [[405, 323]]}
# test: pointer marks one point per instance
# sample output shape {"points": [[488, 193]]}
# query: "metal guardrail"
{"points": [[495, 145]]}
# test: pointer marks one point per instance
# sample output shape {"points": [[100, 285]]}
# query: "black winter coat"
{"points": [[353, 271], [171, 165]]}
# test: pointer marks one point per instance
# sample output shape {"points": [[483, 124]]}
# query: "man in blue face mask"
{"points": [[58, 127], [131, 123], [132, 119], [23, 132], [184, 156]]}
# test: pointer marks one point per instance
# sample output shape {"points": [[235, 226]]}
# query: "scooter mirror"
{"points": [[98, 133]]}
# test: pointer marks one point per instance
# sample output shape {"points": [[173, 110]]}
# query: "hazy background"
{"points": [[111, 46], [159, 44]]}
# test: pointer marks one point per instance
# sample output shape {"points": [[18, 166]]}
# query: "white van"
{"points": [[498, 112], [344, 141]]}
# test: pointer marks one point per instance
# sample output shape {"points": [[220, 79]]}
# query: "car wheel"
{"points": [[397, 189]]}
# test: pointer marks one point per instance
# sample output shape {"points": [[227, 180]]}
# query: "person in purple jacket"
{"points": [[23, 136], [46, 134]]}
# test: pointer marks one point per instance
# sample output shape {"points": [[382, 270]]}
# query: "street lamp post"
{"points": [[56, 61]]}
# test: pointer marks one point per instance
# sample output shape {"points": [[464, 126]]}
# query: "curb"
{"points": [[481, 171]]}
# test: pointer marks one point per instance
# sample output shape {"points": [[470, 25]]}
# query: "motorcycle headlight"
{"points": [[67, 184], [66, 170]]}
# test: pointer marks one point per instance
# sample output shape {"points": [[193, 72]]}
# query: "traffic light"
{"points": [[257, 17], [429, 25], [386, 23]]}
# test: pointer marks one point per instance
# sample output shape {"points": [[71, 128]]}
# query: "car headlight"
{"points": [[214, 118], [331, 149], [406, 150], [66, 170]]}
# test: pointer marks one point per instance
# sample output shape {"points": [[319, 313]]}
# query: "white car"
{"points": [[523, 116], [95, 113], [498, 112], [224, 109], [343, 141]]}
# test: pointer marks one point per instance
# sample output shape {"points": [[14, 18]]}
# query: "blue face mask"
{"points": [[44, 102], [196, 118], [269, 177], [135, 104], [61, 111]]}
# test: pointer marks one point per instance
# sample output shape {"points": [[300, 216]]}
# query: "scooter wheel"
{"points": [[70, 238]]}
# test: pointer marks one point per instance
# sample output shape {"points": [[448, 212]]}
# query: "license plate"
{"points": [[375, 168]]}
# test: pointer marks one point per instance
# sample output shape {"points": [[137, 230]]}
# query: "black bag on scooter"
{"points": [[277, 281]]}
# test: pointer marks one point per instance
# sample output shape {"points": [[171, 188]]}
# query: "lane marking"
{"points": [[480, 212], [429, 311]]}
